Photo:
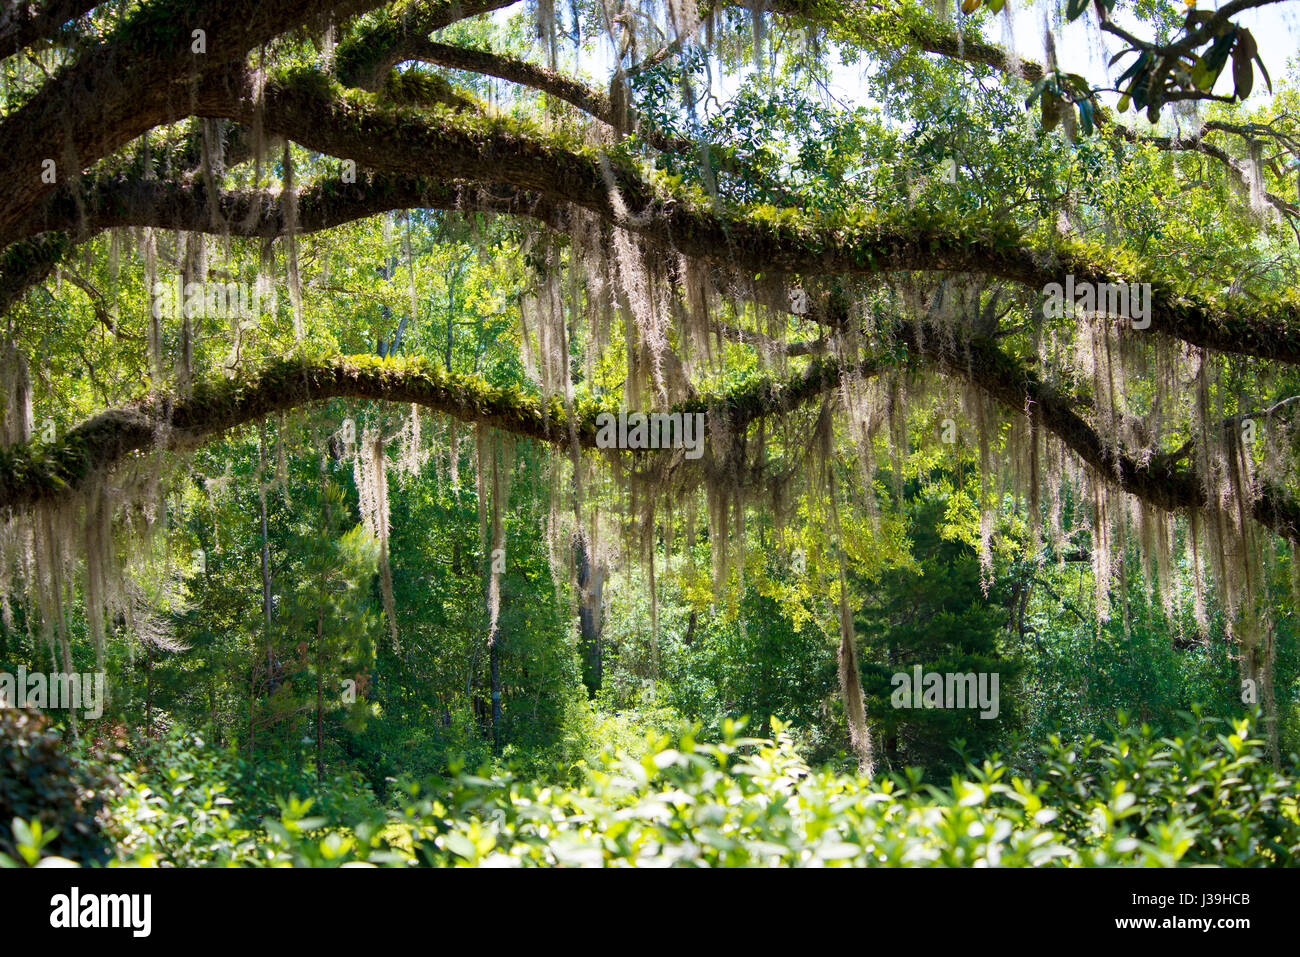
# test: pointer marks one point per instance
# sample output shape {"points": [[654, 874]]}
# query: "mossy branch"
{"points": [[39, 472], [307, 109]]}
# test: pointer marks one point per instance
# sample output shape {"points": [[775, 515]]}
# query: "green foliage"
{"points": [[939, 160], [1207, 795], [188, 803], [749, 802], [942, 615], [49, 799]]}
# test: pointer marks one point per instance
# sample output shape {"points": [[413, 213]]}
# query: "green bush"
{"points": [[45, 788], [188, 804], [1214, 782], [1208, 796]]}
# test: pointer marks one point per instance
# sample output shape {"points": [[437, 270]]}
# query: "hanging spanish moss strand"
{"points": [[371, 475], [497, 554], [289, 202], [849, 673]]}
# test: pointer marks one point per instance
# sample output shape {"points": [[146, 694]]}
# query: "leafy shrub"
{"points": [[48, 791], [188, 804], [1214, 782], [1208, 796]]}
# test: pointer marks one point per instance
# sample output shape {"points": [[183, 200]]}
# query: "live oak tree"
{"points": [[835, 287]]}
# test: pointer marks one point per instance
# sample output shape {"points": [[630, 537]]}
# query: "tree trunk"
{"points": [[451, 319], [266, 595], [590, 584], [320, 721], [148, 694]]}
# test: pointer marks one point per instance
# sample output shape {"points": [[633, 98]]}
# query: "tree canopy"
{"points": [[383, 226]]}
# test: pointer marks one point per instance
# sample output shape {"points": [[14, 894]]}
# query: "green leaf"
{"points": [[1135, 69], [1120, 55], [1051, 114], [1264, 70], [1208, 67], [460, 845], [1243, 77]]}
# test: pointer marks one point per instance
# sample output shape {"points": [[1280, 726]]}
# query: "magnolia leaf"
{"points": [[1135, 69], [1207, 69], [1118, 56], [1243, 77], [1264, 70], [1051, 114]]}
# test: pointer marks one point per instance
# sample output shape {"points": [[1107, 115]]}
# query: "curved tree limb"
{"points": [[141, 76], [1160, 482], [38, 473], [478, 149], [65, 221], [408, 142], [24, 23]]}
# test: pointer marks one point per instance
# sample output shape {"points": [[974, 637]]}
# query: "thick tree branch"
{"points": [[24, 23], [37, 473], [141, 76], [1160, 482], [618, 116], [109, 202], [365, 57], [494, 150]]}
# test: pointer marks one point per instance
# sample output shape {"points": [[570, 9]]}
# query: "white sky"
{"points": [[1082, 48]]}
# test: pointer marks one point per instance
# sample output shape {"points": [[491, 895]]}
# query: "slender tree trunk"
{"points": [[451, 318], [469, 682], [212, 701], [266, 592], [252, 707], [589, 623], [148, 694], [266, 579], [320, 634], [320, 694]]}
